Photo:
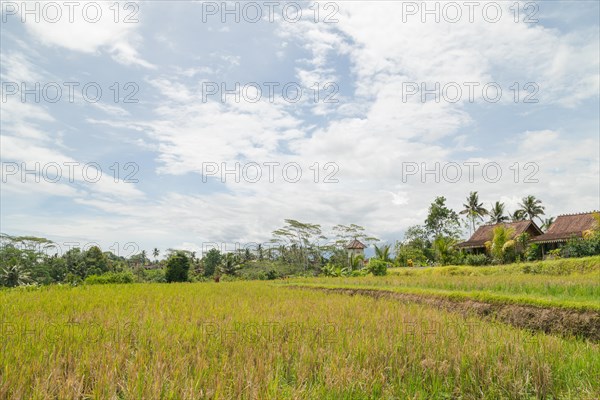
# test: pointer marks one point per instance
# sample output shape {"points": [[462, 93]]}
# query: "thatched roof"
{"points": [[355, 244], [568, 226], [486, 232]]}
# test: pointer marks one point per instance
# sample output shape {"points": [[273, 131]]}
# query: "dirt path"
{"points": [[559, 321]]}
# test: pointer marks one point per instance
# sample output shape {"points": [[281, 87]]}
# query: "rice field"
{"points": [[266, 341], [571, 284]]}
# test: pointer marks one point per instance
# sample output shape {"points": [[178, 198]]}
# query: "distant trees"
{"points": [[178, 266], [303, 241]]}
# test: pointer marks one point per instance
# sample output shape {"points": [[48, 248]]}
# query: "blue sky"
{"points": [[171, 53]]}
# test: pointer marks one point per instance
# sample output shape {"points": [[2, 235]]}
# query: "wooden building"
{"points": [[485, 233], [564, 228]]}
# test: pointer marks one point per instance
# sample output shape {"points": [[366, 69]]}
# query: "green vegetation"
{"points": [[178, 266], [297, 249], [256, 340], [566, 283], [110, 277]]}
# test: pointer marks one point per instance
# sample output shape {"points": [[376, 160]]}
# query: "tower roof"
{"points": [[355, 244]]}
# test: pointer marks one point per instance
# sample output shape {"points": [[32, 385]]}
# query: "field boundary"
{"points": [[553, 320]]}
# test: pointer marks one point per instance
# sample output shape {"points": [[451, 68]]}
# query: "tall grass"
{"points": [[562, 283], [254, 340]]}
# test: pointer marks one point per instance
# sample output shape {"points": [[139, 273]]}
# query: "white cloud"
{"points": [[93, 31]]}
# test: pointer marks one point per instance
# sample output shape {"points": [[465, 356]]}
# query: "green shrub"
{"points": [[406, 253], [110, 277], [577, 247], [533, 252], [377, 267], [154, 275], [477, 259]]}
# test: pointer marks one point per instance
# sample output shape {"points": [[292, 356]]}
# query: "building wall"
{"points": [[355, 252]]}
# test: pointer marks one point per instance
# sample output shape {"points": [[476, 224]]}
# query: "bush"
{"points": [[110, 277], [477, 259], [377, 267], [582, 247], [406, 255], [534, 252], [154, 275]]}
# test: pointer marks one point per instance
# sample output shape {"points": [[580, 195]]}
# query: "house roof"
{"points": [[486, 232], [566, 226], [355, 244]]}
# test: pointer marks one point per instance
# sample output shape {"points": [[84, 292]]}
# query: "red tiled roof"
{"points": [[568, 226], [486, 232], [355, 244]]}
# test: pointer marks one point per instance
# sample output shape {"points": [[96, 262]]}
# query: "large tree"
{"points": [[442, 220], [345, 233], [178, 266], [211, 261], [302, 239], [473, 209]]}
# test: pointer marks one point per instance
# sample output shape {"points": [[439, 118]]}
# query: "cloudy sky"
{"points": [[176, 124]]}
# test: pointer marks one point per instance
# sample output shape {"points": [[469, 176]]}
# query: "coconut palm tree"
{"points": [[547, 223], [518, 215], [155, 254], [474, 209], [497, 213], [532, 207]]}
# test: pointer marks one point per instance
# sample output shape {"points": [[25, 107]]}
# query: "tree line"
{"points": [[296, 248]]}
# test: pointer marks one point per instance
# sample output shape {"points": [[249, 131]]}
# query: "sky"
{"points": [[184, 124]]}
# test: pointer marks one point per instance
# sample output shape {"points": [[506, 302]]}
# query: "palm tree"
{"points": [[155, 254], [357, 261], [518, 215], [143, 255], [532, 207], [474, 209], [501, 243], [497, 213], [443, 248], [383, 253], [14, 275], [547, 223]]}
